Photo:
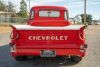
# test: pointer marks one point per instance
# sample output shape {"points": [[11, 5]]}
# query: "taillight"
{"points": [[13, 47], [81, 46], [82, 49]]}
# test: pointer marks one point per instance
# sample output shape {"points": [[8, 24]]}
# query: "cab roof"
{"points": [[49, 7]]}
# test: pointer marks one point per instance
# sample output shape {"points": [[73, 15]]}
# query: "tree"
{"points": [[7, 7], [2, 6], [10, 8], [88, 18], [23, 9]]}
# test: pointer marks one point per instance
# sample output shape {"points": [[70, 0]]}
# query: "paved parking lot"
{"points": [[92, 58]]}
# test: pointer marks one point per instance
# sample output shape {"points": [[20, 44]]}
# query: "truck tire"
{"points": [[76, 58], [21, 58]]}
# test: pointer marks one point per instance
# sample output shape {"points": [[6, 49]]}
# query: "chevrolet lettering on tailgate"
{"points": [[47, 37]]}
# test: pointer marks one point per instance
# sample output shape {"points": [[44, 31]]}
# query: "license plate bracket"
{"points": [[48, 53]]}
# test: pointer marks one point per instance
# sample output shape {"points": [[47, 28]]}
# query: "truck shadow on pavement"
{"points": [[6, 60]]}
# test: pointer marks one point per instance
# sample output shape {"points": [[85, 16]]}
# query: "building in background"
{"points": [[5, 17], [78, 19]]}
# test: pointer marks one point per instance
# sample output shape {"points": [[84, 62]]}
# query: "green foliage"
{"points": [[7, 7], [88, 18], [10, 7], [2, 6], [23, 9]]}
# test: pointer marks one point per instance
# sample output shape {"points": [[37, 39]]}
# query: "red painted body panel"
{"points": [[59, 52], [64, 42], [48, 21], [71, 46], [72, 38]]}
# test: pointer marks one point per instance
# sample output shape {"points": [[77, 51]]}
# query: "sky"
{"points": [[75, 7]]}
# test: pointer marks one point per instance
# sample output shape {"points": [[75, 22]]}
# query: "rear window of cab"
{"points": [[49, 13]]}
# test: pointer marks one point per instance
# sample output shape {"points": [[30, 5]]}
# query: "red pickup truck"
{"points": [[48, 33]]}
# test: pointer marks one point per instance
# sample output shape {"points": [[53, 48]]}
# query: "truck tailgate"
{"points": [[47, 38]]}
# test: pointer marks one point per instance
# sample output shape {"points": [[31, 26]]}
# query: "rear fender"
{"points": [[82, 35], [14, 35], [82, 28]]}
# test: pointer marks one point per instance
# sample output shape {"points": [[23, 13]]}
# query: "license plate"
{"points": [[48, 53]]}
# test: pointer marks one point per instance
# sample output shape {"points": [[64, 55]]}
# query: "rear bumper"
{"points": [[59, 52]]}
